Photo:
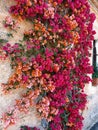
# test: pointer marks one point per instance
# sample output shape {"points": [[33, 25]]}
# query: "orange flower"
{"points": [[67, 100], [18, 71], [69, 124], [56, 67], [43, 107], [29, 3], [19, 18], [54, 111], [50, 1], [26, 8], [26, 67], [51, 87], [8, 118], [36, 28], [43, 29], [55, 4], [23, 104], [21, 12], [12, 78], [50, 118], [20, 64], [36, 73]]}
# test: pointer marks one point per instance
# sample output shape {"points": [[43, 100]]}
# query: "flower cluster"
{"points": [[10, 23], [9, 118], [3, 55], [52, 65]]}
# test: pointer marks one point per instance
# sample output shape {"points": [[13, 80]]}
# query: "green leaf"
{"points": [[9, 34], [95, 74], [16, 83], [3, 40], [65, 127], [64, 116], [9, 114], [55, 54], [24, 128], [49, 128]]}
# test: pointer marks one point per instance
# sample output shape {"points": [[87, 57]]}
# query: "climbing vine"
{"points": [[52, 62]]}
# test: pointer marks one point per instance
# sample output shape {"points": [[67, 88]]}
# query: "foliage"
{"points": [[28, 128], [52, 65], [95, 74], [3, 41]]}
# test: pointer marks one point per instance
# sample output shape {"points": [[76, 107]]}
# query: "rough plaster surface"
{"points": [[91, 111], [32, 119], [96, 28]]}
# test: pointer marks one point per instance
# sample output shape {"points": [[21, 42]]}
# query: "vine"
{"points": [[52, 63]]}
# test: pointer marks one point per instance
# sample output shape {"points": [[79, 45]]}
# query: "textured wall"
{"points": [[91, 111], [6, 101], [94, 9]]}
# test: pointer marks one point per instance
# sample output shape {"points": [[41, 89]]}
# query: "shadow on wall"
{"points": [[95, 127]]}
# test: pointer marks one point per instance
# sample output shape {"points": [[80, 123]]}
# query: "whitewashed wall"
{"points": [[91, 111], [32, 119]]}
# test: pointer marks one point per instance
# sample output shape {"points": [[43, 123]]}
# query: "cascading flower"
{"points": [[52, 65], [10, 23]]}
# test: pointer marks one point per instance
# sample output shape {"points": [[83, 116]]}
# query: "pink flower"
{"points": [[25, 78]]}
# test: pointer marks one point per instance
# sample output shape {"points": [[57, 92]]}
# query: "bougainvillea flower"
{"points": [[52, 63]]}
